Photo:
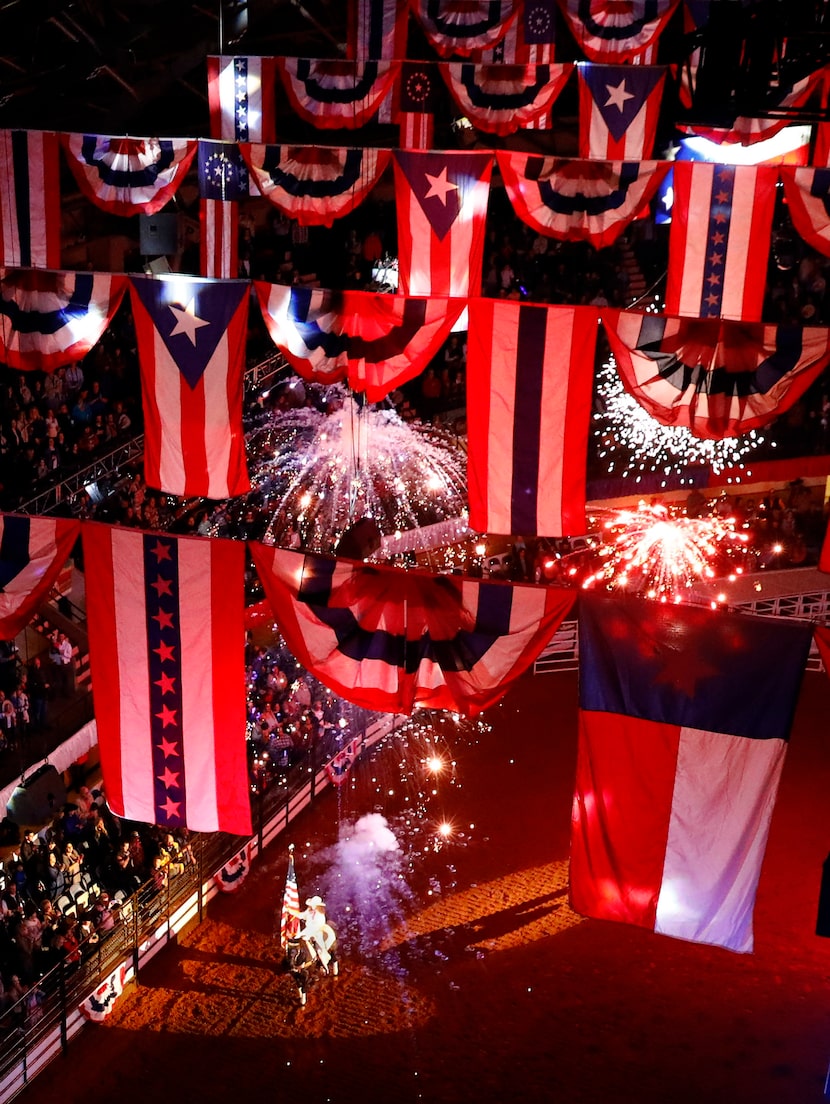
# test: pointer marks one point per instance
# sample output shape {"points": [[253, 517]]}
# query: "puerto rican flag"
{"points": [[32, 554], [30, 214], [191, 348], [166, 641], [397, 640], [609, 31], [441, 201], [720, 239], [684, 720], [619, 106], [530, 372], [808, 195], [241, 95]]}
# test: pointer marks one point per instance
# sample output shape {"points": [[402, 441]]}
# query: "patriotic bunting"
{"points": [[232, 875], [128, 176], [337, 93], [377, 342], [393, 640], [619, 106], [241, 96], [717, 379], [719, 241], [191, 347], [377, 29], [99, 1004], [579, 200], [166, 645], [454, 28], [32, 554], [684, 720], [529, 378], [339, 768], [808, 194], [30, 214], [502, 98], [315, 184], [441, 201], [608, 31], [51, 319]]}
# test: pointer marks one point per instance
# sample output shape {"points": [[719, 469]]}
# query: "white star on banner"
{"points": [[617, 95], [439, 186], [187, 321]]}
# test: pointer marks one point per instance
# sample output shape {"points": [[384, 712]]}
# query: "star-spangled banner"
{"points": [[394, 641], [51, 319], [166, 643], [30, 214], [619, 106], [579, 200], [502, 98], [462, 29], [684, 720], [336, 93], [315, 184], [610, 32], [716, 379], [376, 342], [128, 176], [32, 554], [808, 195]]}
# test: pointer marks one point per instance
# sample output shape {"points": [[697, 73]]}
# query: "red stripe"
{"points": [[238, 480], [759, 230], [678, 238], [479, 363], [268, 79], [152, 417], [194, 451], [214, 102], [580, 375], [52, 199]]}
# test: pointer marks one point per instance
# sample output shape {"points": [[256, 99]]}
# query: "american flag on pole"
{"points": [[32, 553], [241, 96], [30, 212], [289, 923], [223, 181], [720, 239], [609, 31], [530, 372], [166, 640], [619, 106], [684, 721], [441, 201], [191, 348]]}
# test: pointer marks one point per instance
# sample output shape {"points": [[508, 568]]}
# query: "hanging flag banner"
{"points": [[235, 870], [51, 319], [807, 192], [128, 176], [619, 106], [166, 644], [241, 97], [99, 1004], [611, 32], [315, 184], [418, 99], [502, 98], [530, 372], [376, 342], [579, 200], [684, 720], [336, 92], [30, 214], [441, 206], [716, 379], [33, 551], [396, 640], [377, 29], [453, 28], [191, 337], [719, 241], [223, 181]]}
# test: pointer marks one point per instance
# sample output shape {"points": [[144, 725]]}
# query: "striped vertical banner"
{"points": [[241, 97], [30, 208], [219, 240]]}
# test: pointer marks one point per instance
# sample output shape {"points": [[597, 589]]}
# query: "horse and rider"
{"points": [[313, 948]]}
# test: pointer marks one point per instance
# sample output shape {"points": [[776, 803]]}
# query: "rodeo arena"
{"points": [[414, 572]]}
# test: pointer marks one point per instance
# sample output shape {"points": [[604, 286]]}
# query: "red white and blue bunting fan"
{"points": [[315, 184], [377, 342], [33, 551], [339, 768], [465, 28], [608, 31], [807, 192], [579, 200], [336, 93], [502, 98], [51, 319], [128, 176], [235, 870], [99, 1005]]}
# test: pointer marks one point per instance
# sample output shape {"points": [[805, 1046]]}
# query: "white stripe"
{"points": [[37, 201], [724, 793], [697, 237], [559, 334], [217, 419], [11, 236], [42, 549], [255, 105], [227, 94], [735, 273], [171, 458]]}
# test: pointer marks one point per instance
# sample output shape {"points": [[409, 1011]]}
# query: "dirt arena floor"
{"points": [[490, 988]]}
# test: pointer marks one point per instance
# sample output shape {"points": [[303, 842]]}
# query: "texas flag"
{"points": [[191, 349], [441, 201], [618, 110], [166, 642], [30, 214], [720, 239], [684, 719], [32, 554]]}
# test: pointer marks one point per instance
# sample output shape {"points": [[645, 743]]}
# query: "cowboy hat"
{"points": [[314, 902]]}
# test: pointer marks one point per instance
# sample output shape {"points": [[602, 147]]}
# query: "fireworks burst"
{"points": [[631, 443], [651, 552]]}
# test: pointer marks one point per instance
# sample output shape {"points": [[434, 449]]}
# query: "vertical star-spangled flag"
{"points": [[32, 553], [241, 95], [808, 197], [684, 720], [30, 206], [618, 110], [289, 923], [223, 181], [719, 241], [529, 379], [191, 347], [441, 201], [609, 31], [166, 642]]}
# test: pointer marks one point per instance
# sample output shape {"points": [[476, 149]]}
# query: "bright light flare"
{"points": [[435, 764], [445, 830]]}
